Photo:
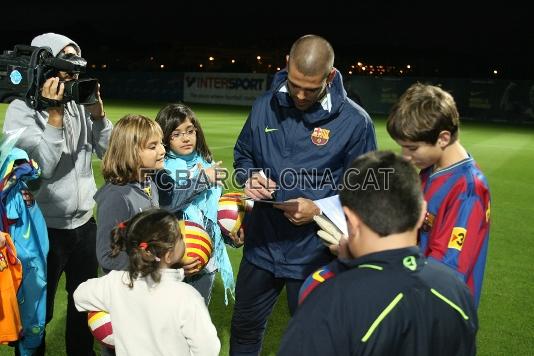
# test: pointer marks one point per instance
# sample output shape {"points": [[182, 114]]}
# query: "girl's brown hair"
{"points": [[173, 115], [146, 238], [122, 163]]}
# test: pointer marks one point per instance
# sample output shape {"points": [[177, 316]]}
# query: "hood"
{"points": [[315, 113], [15, 154], [55, 42], [103, 191]]}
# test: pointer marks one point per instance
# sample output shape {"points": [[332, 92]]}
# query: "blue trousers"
{"points": [[257, 291], [203, 283]]}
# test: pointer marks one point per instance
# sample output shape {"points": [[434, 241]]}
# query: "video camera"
{"points": [[24, 70]]}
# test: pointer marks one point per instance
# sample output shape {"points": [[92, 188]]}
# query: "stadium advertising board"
{"points": [[481, 99], [224, 88]]}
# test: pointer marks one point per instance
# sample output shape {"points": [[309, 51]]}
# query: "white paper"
{"points": [[331, 207]]}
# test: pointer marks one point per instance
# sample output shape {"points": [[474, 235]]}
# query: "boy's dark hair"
{"points": [[173, 115], [385, 191], [421, 113], [146, 238]]}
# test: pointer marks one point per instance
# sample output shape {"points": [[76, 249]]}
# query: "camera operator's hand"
{"points": [[97, 109], [53, 90]]}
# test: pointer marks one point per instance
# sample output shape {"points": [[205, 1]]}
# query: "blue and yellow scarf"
{"points": [[204, 206]]}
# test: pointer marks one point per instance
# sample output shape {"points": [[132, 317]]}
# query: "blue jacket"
{"points": [[27, 227], [389, 302], [306, 154]]}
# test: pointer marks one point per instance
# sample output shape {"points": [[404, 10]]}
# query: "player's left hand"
{"points": [[97, 109], [300, 213]]}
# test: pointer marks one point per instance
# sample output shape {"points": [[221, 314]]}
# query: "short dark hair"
{"points": [[392, 202], [421, 113], [173, 115], [157, 229], [312, 55]]}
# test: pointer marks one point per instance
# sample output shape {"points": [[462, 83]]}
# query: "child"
{"points": [[385, 298], [188, 153], [425, 123], [153, 312], [134, 151]]}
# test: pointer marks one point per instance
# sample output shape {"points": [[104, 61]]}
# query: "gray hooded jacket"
{"points": [[67, 185]]}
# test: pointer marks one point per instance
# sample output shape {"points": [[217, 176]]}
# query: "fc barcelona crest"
{"points": [[320, 136]]}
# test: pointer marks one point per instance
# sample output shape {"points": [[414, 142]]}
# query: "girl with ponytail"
{"points": [[153, 311]]}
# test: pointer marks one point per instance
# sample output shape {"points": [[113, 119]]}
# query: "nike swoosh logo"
{"points": [[27, 233], [267, 129]]}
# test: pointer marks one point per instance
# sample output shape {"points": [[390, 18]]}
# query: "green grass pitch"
{"points": [[505, 154]]}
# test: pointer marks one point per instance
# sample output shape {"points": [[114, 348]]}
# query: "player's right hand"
{"points": [[259, 187]]}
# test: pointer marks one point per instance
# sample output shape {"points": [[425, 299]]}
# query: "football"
{"points": [[198, 243], [232, 212], [100, 325]]}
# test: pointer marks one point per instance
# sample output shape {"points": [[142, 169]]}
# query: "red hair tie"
{"points": [[121, 225], [143, 245]]}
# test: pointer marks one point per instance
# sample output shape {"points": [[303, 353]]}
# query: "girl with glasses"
{"points": [[194, 190]]}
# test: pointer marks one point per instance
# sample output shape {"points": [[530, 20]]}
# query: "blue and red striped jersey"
{"points": [[456, 227]]}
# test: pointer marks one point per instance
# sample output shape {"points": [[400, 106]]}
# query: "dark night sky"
{"points": [[448, 35]]}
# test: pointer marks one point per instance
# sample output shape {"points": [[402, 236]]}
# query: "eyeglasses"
{"points": [[189, 133]]}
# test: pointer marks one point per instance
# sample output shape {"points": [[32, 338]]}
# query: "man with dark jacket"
{"points": [[298, 140], [381, 297]]}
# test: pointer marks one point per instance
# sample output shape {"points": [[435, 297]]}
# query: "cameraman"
{"points": [[62, 139]]}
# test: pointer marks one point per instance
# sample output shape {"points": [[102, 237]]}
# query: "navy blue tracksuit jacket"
{"points": [[306, 154], [385, 303]]}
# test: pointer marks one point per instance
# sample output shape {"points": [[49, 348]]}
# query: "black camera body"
{"points": [[24, 70]]}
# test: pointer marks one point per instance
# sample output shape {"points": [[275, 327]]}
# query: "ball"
{"points": [[100, 325], [232, 212], [198, 243]]}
